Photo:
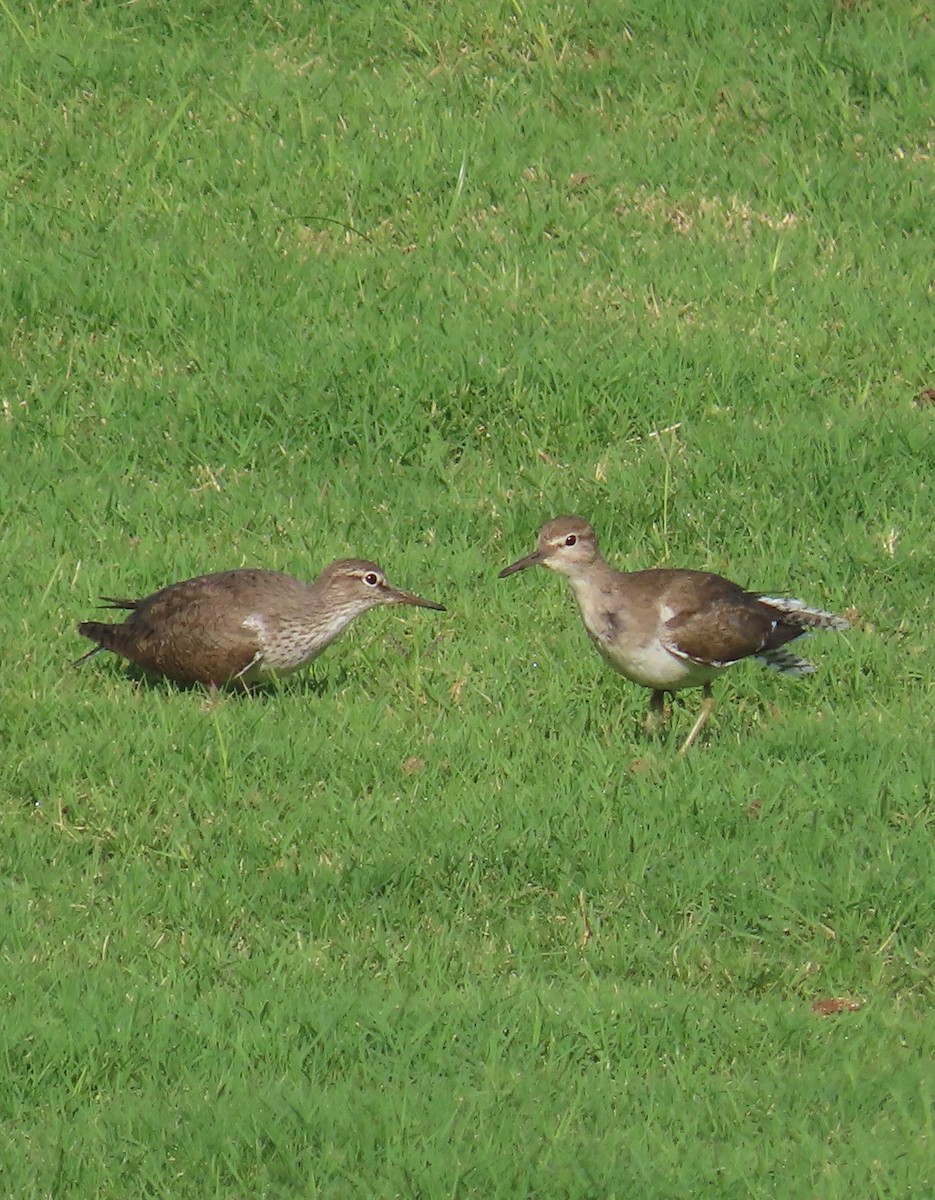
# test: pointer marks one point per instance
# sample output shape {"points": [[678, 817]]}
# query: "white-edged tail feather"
{"points": [[785, 662], [797, 612]]}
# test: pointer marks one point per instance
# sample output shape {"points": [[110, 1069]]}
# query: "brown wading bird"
{"points": [[670, 629], [246, 626]]}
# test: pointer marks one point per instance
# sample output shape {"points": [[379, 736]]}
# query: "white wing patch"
{"points": [[257, 624], [702, 662]]}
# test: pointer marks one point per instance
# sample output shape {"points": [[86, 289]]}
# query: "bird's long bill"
{"points": [[531, 560], [397, 596]]}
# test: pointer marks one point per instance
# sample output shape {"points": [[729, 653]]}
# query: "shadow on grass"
{"points": [[302, 682]]}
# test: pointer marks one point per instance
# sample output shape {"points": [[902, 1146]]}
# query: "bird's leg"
{"points": [[90, 654], [212, 698], [656, 716], [707, 708]]}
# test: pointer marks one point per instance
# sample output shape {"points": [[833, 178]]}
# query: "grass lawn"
{"points": [[281, 283]]}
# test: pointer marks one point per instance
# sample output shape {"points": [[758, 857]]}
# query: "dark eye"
{"points": [[571, 539], [371, 579]]}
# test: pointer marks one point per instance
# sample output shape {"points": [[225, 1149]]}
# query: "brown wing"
{"points": [[191, 632], [718, 622]]}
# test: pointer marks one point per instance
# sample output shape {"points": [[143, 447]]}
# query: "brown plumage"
{"points": [[246, 625], [668, 629]]}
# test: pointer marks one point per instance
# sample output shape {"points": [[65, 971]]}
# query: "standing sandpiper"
{"points": [[670, 629], [248, 626]]}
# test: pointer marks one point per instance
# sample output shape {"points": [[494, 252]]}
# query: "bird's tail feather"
{"points": [[785, 662], [108, 637], [113, 602], [797, 612]]}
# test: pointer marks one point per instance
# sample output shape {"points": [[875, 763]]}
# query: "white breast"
{"points": [[285, 648]]}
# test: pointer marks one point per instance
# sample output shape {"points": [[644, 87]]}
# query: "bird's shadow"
{"points": [[304, 683]]}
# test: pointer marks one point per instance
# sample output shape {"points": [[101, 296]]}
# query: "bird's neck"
{"points": [[596, 575], [328, 611], [594, 584]]}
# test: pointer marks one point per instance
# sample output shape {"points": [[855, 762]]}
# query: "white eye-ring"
{"points": [[371, 579]]}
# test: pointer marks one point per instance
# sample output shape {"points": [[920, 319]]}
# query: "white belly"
{"points": [[653, 666]]}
